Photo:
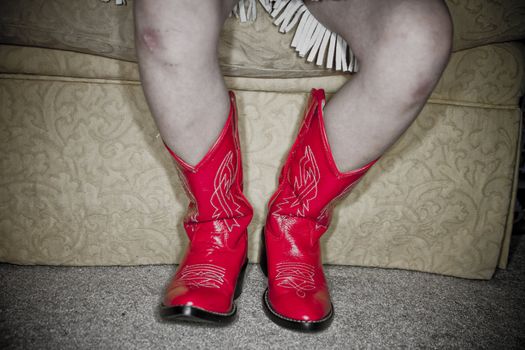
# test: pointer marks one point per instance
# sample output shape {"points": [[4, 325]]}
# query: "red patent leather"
{"points": [[299, 213], [215, 223]]}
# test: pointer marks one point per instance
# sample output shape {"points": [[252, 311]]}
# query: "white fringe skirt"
{"points": [[311, 40]]}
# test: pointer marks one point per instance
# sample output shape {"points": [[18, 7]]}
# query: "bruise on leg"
{"points": [[150, 38]]}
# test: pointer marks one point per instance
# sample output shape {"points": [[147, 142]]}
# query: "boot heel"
{"points": [[240, 281], [263, 260]]}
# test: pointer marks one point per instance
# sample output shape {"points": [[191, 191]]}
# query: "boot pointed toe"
{"points": [[303, 318], [302, 307], [212, 301]]}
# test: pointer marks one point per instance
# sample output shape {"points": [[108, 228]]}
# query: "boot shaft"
{"points": [[214, 187], [310, 184]]}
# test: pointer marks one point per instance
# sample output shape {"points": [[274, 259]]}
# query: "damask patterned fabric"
{"points": [[247, 49], [85, 179], [469, 78]]}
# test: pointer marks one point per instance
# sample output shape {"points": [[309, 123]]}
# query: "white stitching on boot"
{"points": [[222, 199], [202, 275], [295, 275], [304, 184]]}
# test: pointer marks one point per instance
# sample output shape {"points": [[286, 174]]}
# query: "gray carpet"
{"points": [[115, 308]]}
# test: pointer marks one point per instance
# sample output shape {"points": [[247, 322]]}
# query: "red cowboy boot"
{"points": [[210, 276], [299, 212]]}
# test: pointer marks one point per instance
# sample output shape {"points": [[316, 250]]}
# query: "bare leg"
{"points": [[403, 47], [176, 42]]}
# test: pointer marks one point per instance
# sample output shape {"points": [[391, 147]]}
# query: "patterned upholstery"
{"points": [[247, 50], [86, 181]]}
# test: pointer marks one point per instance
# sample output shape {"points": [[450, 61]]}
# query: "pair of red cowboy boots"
{"points": [[210, 276]]}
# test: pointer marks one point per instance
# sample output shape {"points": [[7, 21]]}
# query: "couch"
{"points": [[85, 179]]}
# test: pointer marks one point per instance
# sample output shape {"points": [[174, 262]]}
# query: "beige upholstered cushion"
{"points": [[85, 179], [249, 50], [489, 75]]}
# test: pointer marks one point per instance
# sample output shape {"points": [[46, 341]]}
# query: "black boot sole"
{"points": [[283, 321], [188, 313]]}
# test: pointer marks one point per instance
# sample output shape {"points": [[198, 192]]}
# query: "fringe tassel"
{"points": [[311, 39], [117, 2], [246, 10]]}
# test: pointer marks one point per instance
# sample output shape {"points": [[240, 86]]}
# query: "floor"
{"points": [[116, 308]]}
